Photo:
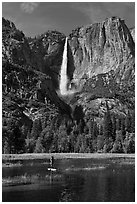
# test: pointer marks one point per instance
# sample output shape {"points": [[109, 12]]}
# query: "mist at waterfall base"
{"points": [[64, 81]]}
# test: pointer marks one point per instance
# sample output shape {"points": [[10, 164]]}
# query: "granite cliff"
{"points": [[101, 66], [101, 48], [94, 49]]}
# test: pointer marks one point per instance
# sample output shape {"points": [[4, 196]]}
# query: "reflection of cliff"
{"points": [[99, 185], [111, 185], [66, 196], [72, 191]]}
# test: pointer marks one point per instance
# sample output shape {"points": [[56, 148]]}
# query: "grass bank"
{"points": [[30, 179], [33, 156]]}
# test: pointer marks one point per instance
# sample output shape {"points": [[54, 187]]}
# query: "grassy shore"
{"points": [[33, 156], [30, 179]]}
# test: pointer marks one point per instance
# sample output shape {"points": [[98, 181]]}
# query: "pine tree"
{"points": [[108, 124], [128, 122], [118, 144], [47, 138], [114, 126], [90, 125], [36, 129], [100, 143], [108, 130], [118, 124], [39, 146], [63, 139], [80, 126], [78, 114], [29, 143], [95, 130], [123, 128], [129, 143], [13, 140]]}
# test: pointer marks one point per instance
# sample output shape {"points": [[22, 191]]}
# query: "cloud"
{"points": [[95, 12], [28, 7], [98, 11]]}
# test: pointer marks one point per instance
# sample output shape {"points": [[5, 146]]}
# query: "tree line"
{"points": [[80, 134]]}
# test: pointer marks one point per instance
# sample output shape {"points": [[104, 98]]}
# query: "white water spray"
{"points": [[64, 81], [63, 73]]}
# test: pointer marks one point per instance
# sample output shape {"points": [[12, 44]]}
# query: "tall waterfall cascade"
{"points": [[64, 89], [63, 72]]}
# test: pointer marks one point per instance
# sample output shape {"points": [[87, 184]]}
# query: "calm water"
{"points": [[77, 180]]}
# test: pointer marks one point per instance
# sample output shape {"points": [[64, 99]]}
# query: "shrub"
{"points": [[129, 143]]}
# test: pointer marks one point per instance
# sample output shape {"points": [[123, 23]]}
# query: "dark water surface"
{"points": [[76, 180]]}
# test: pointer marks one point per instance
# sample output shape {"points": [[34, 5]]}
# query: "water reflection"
{"points": [[76, 180], [66, 196]]}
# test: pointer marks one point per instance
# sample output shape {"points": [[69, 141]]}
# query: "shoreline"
{"points": [[33, 156]]}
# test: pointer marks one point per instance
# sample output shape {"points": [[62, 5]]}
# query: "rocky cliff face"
{"points": [[101, 61], [101, 48], [94, 49], [103, 65], [132, 30], [15, 46], [27, 93], [44, 52]]}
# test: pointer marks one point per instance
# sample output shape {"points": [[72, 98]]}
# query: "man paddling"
{"points": [[51, 162]]}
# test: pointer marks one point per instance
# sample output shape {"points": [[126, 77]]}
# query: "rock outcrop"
{"points": [[94, 49], [15, 46], [46, 53], [28, 94], [100, 48], [101, 67], [43, 53], [132, 30], [104, 66]]}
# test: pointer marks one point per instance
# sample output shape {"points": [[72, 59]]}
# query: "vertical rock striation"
{"points": [[102, 47]]}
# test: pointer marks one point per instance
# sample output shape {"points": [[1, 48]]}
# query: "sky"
{"points": [[35, 18]]}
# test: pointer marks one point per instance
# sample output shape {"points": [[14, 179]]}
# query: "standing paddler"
{"points": [[51, 162]]}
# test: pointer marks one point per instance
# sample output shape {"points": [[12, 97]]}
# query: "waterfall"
{"points": [[63, 72], [64, 89]]}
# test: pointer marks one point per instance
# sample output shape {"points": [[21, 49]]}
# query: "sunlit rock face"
{"points": [[132, 30], [103, 65], [102, 47], [46, 53], [100, 62], [15, 46], [43, 53], [28, 88], [93, 49]]}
